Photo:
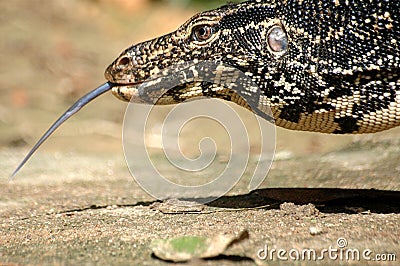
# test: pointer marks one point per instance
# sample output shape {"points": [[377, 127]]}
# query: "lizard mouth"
{"points": [[144, 92], [125, 86], [127, 92]]}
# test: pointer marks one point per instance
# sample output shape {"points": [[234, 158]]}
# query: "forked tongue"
{"points": [[64, 117]]}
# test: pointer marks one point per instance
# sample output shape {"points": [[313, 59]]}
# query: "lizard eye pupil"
{"points": [[277, 39], [202, 33]]}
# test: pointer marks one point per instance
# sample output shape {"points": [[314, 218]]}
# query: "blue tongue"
{"points": [[64, 117]]}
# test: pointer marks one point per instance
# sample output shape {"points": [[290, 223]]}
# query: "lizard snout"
{"points": [[121, 71]]}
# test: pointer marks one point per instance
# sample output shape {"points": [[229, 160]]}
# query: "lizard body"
{"points": [[330, 66]]}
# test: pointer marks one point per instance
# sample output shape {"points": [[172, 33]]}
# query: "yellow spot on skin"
{"points": [[154, 71]]}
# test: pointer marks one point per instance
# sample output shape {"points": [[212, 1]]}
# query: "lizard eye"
{"points": [[277, 39], [202, 33]]}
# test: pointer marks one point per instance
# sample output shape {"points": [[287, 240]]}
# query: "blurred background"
{"points": [[53, 52]]}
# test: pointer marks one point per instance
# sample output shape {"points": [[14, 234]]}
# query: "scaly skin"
{"points": [[340, 71]]}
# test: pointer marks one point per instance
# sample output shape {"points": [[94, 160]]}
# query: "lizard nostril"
{"points": [[124, 62]]}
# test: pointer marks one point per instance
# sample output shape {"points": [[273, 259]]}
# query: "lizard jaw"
{"points": [[128, 92]]}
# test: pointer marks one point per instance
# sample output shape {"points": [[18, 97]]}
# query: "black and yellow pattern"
{"points": [[329, 66]]}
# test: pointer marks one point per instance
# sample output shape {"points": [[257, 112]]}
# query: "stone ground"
{"points": [[80, 209]]}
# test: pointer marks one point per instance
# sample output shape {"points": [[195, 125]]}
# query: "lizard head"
{"points": [[245, 37]]}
